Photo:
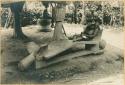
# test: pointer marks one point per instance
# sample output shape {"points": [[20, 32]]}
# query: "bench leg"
{"points": [[92, 47]]}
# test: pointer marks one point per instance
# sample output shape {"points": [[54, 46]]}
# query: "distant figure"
{"points": [[79, 17], [45, 21], [46, 15], [106, 19]]}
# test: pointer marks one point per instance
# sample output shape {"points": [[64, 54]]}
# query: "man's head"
{"points": [[94, 19]]}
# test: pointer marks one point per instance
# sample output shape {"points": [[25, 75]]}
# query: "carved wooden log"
{"points": [[42, 64], [31, 47], [28, 60], [53, 49]]}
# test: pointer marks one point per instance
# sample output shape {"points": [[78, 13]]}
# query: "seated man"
{"points": [[90, 32], [92, 29]]}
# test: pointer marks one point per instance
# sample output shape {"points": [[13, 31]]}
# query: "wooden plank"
{"points": [[7, 3], [89, 42], [42, 64]]}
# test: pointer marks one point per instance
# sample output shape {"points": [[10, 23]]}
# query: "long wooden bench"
{"points": [[95, 50]]}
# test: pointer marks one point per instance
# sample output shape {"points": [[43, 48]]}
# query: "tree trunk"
{"points": [[59, 18], [16, 9]]}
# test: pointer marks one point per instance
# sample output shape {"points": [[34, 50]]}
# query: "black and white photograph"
{"points": [[53, 42]]}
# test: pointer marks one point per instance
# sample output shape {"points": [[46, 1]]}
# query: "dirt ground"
{"points": [[89, 70]]}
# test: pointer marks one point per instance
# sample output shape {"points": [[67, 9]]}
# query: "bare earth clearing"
{"points": [[105, 69]]}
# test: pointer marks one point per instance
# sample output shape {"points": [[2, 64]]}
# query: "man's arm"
{"points": [[94, 34]]}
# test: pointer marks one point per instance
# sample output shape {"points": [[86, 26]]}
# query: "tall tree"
{"points": [[16, 8]]}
